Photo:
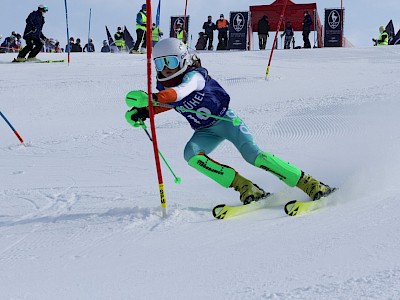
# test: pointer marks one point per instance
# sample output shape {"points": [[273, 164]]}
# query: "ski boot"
{"points": [[248, 190], [32, 59], [313, 188], [19, 59]]}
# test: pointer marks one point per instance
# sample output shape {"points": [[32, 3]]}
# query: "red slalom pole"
{"points": [[12, 128], [275, 39], [149, 47]]}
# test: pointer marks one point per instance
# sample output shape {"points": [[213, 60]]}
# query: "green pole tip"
{"points": [[178, 180], [236, 121]]}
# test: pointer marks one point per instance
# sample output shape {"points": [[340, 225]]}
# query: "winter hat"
{"points": [[381, 29]]}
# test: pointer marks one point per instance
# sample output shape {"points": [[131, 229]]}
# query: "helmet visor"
{"points": [[171, 62]]}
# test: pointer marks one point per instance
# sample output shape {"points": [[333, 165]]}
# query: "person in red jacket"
{"points": [[222, 27]]}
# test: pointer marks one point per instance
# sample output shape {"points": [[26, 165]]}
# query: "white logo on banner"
{"points": [[334, 19], [238, 22]]}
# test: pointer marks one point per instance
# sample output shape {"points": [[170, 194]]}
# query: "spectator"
{"points": [[89, 46], [209, 28], [57, 48], [288, 33], [119, 37], [71, 44], [156, 34], [77, 46], [263, 32], [222, 26], [33, 34], [383, 39], [106, 47], [141, 20], [201, 41], [307, 22]]}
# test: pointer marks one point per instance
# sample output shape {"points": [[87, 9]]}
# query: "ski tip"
{"points": [[290, 208], [219, 212]]}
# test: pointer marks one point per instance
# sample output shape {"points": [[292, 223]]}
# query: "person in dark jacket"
{"points": [[307, 22], [33, 34], [222, 26], [288, 33], [89, 47], [106, 48], [209, 28], [263, 32], [77, 46], [201, 41]]}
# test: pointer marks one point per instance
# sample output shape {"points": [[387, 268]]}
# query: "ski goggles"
{"points": [[171, 62]]}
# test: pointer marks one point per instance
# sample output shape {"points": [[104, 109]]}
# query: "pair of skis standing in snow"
{"points": [[186, 87]]}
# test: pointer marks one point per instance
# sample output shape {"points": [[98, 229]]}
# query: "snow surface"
{"points": [[80, 213]]}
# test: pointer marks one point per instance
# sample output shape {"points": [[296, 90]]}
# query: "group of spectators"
{"points": [[288, 33], [222, 26], [12, 43], [73, 46]]}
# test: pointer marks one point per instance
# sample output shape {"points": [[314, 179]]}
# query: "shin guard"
{"points": [[286, 172], [223, 175]]}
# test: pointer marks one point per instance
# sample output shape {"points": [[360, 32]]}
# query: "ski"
{"points": [[295, 208], [223, 211], [40, 61]]}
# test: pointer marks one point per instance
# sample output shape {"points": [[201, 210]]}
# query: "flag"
{"points": [[128, 40], [158, 14], [109, 37], [390, 31], [396, 39]]}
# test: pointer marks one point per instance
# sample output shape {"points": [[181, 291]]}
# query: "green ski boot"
{"points": [[313, 188]]}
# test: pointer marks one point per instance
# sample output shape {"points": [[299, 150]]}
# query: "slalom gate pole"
{"points": [[12, 128], [275, 39], [236, 121], [149, 47], [90, 19], [69, 44]]}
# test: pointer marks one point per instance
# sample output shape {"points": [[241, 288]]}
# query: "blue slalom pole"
{"points": [[90, 18], [12, 128], [69, 44]]}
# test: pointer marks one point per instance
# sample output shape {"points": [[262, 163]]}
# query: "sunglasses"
{"points": [[171, 62]]}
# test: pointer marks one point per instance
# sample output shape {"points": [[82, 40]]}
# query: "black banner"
{"points": [[238, 30], [333, 27], [177, 25]]}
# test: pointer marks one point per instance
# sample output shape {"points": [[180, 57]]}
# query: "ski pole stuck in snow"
{"points": [[13, 129]]}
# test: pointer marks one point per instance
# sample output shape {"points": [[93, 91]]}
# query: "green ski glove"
{"points": [[137, 116], [137, 99]]}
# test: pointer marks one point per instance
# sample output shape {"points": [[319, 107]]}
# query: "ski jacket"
{"points": [[222, 25], [34, 26], [209, 28], [198, 91], [383, 39], [89, 47], [307, 22], [263, 26], [119, 39], [141, 20], [288, 31]]}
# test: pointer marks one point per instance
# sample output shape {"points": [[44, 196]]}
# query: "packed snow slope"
{"points": [[80, 210]]}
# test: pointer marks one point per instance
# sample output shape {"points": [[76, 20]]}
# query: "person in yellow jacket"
{"points": [[383, 39], [119, 37], [156, 34], [181, 34], [141, 21]]}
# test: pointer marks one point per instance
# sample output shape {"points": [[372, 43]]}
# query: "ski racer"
{"points": [[33, 35], [183, 82]]}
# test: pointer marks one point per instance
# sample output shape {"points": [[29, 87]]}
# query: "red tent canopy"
{"points": [[294, 13]]}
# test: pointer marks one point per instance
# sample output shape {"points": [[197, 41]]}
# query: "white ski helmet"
{"points": [[171, 47]]}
